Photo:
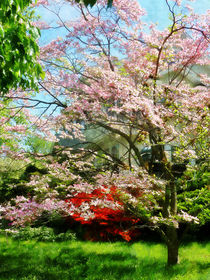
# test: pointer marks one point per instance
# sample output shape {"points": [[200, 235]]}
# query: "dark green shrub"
{"points": [[193, 198]]}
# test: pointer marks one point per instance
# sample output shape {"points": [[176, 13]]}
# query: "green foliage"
{"points": [[32, 260], [93, 2], [51, 219], [15, 176], [195, 178], [38, 145], [194, 196], [41, 234], [9, 119], [88, 2], [196, 203], [10, 173], [18, 47]]}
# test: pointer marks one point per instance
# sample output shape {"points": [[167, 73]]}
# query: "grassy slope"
{"points": [[31, 260]]}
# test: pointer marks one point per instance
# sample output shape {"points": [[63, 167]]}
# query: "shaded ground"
{"points": [[30, 260]]}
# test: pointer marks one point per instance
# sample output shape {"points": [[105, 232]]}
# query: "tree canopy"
{"points": [[18, 46]]}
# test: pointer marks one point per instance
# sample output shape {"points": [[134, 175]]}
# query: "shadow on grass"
{"points": [[70, 263]]}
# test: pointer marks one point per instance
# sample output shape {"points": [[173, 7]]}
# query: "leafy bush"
{"points": [[196, 204], [45, 234], [195, 178], [10, 182], [195, 196], [194, 199]]}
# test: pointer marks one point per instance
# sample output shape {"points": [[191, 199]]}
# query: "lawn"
{"points": [[30, 260]]}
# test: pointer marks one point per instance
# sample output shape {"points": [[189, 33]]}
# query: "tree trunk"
{"points": [[169, 209], [172, 245]]}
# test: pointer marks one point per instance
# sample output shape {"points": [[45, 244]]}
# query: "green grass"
{"points": [[30, 260]]}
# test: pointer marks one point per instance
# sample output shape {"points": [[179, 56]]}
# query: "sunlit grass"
{"points": [[30, 260]]}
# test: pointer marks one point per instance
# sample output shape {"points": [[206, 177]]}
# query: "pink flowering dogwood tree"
{"points": [[112, 72]]}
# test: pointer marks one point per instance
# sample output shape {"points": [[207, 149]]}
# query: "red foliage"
{"points": [[106, 222]]}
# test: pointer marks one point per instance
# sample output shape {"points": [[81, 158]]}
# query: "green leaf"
{"points": [[109, 4], [1, 31], [90, 2]]}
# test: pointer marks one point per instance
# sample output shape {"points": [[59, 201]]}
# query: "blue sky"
{"points": [[157, 10]]}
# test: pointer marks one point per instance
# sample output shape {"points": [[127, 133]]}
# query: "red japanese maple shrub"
{"points": [[102, 213]]}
